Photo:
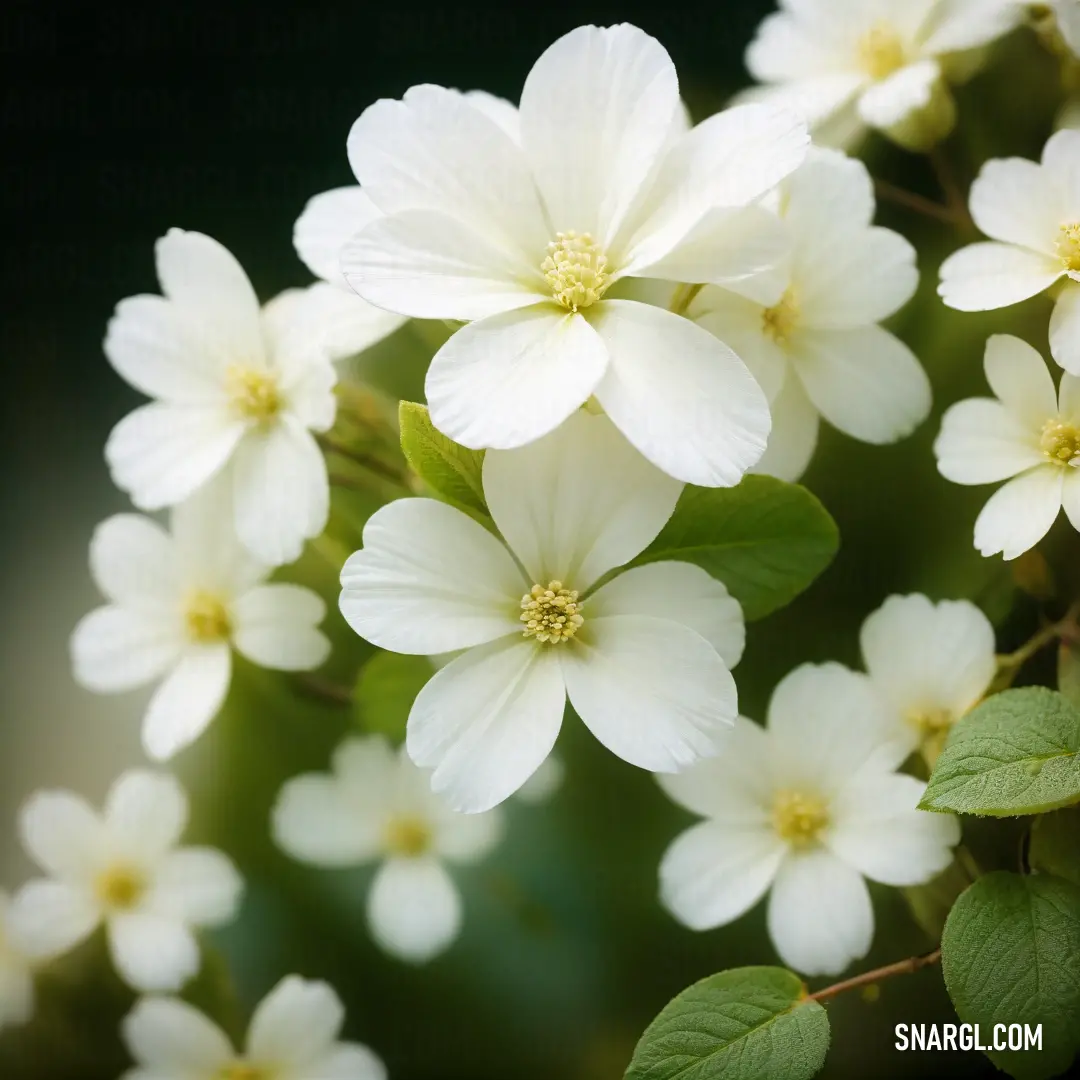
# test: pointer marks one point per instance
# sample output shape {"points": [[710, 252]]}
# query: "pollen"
{"points": [[207, 618], [408, 836], [1060, 443], [241, 1070], [253, 393], [551, 613], [880, 50], [779, 321], [120, 888], [1068, 246], [798, 818], [575, 269], [930, 720]]}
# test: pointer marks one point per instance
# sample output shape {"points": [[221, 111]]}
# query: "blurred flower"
{"points": [[930, 662], [543, 783], [1029, 433], [16, 983], [808, 807], [851, 64], [1060, 25], [293, 1036], [1032, 211], [179, 603], [817, 348], [523, 241], [644, 658], [123, 869], [239, 392], [376, 804]]}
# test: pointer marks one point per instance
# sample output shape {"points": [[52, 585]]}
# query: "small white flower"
{"points": [[16, 980], [524, 239], [808, 807], [644, 658], [293, 1036], [813, 342], [1064, 17], [1031, 211], [179, 603], [1027, 432], [376, 804], [237, 391], [931, 663], [124, 870], [881, 64]]}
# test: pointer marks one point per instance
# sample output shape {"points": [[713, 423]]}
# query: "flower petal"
{"points": [[196, 885], [1020, 514], [62, 833], [504, 381], [413, 909], [713, 873], [880, 832], [161, 453], [1070, 497], [653, 691], [596, 112], [967, 24], [329, 220], [1015, 201], [49, 917], [830, 194], [1061, 160], [1019, 377], [131, 561], [794, 434], [1065, 329], [863, 380], [981, 442], [145, 814], [681, 592], [429, 579], [297, 1023], [684, 399], [578, 502], [467, 838], [487, 720], [152, 952], [117, 648], [820, 918], [185, 703], [348, 1061], [502, 112], [171, 1035], [275, 626], [980, 277], [886, 103]]}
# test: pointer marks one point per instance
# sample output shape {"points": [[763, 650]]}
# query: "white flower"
{"points": [[1027, 432], [818, 348], [178, 604], [808, 807], [376, 804], [16, 981], [238, 391], [1032, 213], [1064, 16], [543, 783], [851, 64], [930, 662], [293, 1036], [524, 241], [124, 870], [643, 658]]}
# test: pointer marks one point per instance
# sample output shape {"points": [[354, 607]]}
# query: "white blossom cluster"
{"points": [[638, 304]]}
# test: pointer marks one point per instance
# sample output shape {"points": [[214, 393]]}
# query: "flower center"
{"points": [[241, 1070], [930, 720], [409, 836], [1060, 443], [880, 50], [575, 270], [799, 818], [779, 321], [120, 887], [207, 618], [1068, 246], [551, 613], [253, 393]]}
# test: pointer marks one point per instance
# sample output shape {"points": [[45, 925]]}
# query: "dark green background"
{"points": [[119, 122]]}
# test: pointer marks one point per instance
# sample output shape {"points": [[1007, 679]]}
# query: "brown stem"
{"points": [[318, 687], [954, 197], [373, 464], [901, 967], [918, 203]]}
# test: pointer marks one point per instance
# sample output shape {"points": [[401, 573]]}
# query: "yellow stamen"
{"points": [[930, 720], [779, 321], [880, 50], [207, 618], [1068, 246], [120, 887], [409, 836], [551, 613], [1060, 443], [798, 818], [575, 270], [241, 1070], [253, 393]]}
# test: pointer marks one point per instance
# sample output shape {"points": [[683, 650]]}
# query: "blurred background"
{"points": [[119, 122]]}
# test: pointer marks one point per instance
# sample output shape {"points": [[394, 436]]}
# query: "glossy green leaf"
{"points": [[386, 689], [1055, 844]]}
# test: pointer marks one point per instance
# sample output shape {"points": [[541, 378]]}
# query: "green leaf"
{"points": [[752, 1023], [386, 689], [931, 903], [1011, 955], [1055, 844], [1014, 754], [765, 539], [452, 472]]}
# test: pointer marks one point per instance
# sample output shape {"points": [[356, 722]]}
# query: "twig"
{"points": [[318, 687], [912, 201], [1010, 663], [954, 197], [901, 967]]}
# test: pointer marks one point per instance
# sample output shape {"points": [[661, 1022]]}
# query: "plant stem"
{"points": [[684, 296], [912, 201], [329, 691], [954, 197], [1010, 663], [372, 464], [901, 967]]}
